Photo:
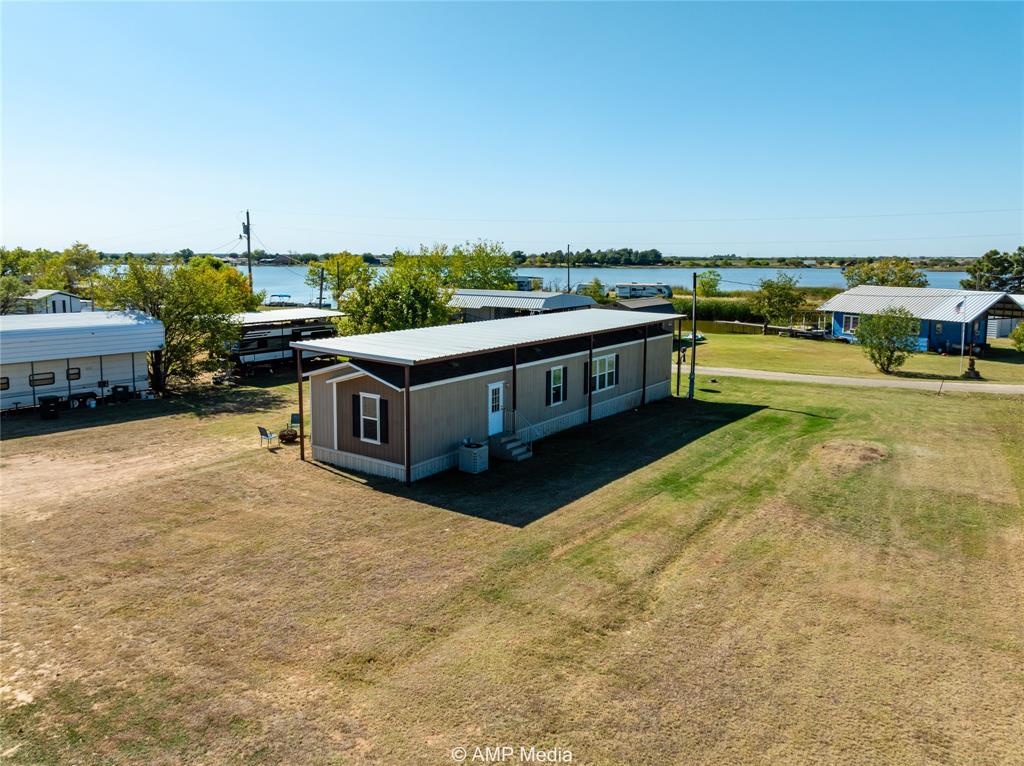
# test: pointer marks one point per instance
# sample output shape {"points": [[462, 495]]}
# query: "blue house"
{"points": [[948, 318]]}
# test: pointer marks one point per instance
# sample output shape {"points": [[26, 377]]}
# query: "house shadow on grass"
{"points": [[573, 463]]}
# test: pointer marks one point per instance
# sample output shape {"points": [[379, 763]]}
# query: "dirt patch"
{"points": [[839, 458]]}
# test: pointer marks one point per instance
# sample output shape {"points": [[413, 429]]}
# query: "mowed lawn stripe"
{"points": [[749, 579]]}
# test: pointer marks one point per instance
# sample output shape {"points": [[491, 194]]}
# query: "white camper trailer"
{"points": [[627, 290], [75, 356]]}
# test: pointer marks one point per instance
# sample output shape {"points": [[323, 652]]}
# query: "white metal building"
{"points": [[74, 355], [48, 302]]}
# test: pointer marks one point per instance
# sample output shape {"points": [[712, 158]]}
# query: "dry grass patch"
{"points": [[707, 587], [839, 458]]}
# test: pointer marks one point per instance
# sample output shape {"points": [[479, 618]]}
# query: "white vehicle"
{"points": [[642, 290]]}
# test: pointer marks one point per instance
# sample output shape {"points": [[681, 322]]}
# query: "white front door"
{"points": [[495, 408]]}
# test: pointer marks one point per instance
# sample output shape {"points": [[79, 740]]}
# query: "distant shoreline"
{"points": [[562, 267]]}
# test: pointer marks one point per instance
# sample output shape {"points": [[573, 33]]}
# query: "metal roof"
{"points": [[527, 300], [284, 315], [36, 295], [428, 344], [928, 303], [38, 337], [636, 304]]}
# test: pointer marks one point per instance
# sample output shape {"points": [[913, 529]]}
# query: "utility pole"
{"points": [[693, 338], [320, 300], [247, 232], [568, 269]]}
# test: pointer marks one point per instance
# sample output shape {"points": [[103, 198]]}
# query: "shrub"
{"points": [[888, 338], [1017, 337]]}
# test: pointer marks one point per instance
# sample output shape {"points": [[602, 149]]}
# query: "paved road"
{"points": [[937, 386]]}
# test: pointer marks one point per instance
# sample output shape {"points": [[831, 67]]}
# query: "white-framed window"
{"points": [[557, 385], [605, 373], [369, 418], [850, 322]]}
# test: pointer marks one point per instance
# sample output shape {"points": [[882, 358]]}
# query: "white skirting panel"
{"points": [[434, 465], [359, 463], [658, 391], [553, 425]]}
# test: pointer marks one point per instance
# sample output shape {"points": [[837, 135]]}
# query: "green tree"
{"points": [[341, 272], [1017, 337], [196, 306], [407, 295], [480, 265], [888, 338], [890, 272], [16, 267], [70, 269], [234, 281], [777, 300], [12, 289], [595, 289], [996, 271], [707, 283]]}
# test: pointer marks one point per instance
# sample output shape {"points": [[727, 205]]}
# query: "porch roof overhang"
{"points": [[434, 344]]}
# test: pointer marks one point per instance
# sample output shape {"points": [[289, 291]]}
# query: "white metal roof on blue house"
{"points": [[427, 344], [927, 303], [284, 315], [527, 300], [37, 337]]}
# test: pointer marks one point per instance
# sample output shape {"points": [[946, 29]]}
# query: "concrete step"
{"points": [[506, 446]]}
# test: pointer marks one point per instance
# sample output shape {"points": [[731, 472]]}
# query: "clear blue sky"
{"points": [[150, 126]]}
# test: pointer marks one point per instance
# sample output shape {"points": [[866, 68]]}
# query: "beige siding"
{"points": [[321, 433], [325, 408], [659, 359], [446, 413]]}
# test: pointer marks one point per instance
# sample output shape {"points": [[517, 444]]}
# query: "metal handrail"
{"points": [[516, 417]]}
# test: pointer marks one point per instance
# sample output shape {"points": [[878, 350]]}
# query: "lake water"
{"points": [[289, 280]]}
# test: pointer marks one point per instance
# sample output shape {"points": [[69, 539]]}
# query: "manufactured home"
{"points": [[48, 302], [266, 335], [480, 305], [948, 318], [405, 401], [75, 356]]}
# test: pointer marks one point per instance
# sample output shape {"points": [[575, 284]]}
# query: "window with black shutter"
{"points": [[42, 379], [74, 373], [556, 386], [605, 373], [368, 416]]}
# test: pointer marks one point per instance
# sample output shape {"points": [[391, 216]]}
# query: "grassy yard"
{"points": [[776, 574], [1002, 364]]}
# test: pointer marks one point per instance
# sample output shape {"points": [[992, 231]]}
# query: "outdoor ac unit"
{"points": [[473, 457]]}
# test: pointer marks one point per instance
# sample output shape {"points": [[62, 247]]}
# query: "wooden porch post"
{"points": [[302, 408], [408, 432], [643, 382], [590, 383]]}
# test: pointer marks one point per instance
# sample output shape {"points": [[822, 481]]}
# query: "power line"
{"points": [[750, 219], [721, 242]]}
